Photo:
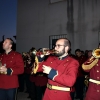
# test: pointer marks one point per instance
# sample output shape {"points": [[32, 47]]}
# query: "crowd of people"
{"points": [[58, 76], [34, 84]]}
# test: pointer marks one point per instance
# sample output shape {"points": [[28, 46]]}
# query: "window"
{"points": [[54, 38]]}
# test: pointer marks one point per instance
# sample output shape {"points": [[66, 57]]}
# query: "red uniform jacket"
{"points": [[28, 68], [41, 79], [32, 78], [67, 70], [13, 61], [81, 60], [93, 92]]}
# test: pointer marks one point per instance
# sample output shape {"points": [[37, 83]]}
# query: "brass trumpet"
{"points": [[91, 63], [44, 51], [96, 53], [1, 66], [93, 60]]}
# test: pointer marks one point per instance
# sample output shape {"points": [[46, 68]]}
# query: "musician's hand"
{"points": [[46, 69], [3, 69], [46, 51]]}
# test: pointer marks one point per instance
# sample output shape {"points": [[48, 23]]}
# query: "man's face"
{"points": [[60, 48], [89, 53], [78, 54], [7, 44]]}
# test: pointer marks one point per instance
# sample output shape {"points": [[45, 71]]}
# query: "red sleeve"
{"points": [[68, 78], [19, 65]]}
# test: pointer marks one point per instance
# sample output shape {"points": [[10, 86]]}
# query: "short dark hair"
{"points": [[32, 49], [66, 42], [11, 41], [77, 50]]}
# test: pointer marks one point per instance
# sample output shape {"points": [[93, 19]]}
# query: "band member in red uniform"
{"points": [[92, 65], [12, 65], [79, 85], [61, 70], [40, 83]]}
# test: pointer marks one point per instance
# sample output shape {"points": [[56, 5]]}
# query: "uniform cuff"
{"points": [[9, 71], [52, 74], [40, 59]]}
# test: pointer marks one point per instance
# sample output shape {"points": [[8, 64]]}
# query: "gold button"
{"points": [[67, 60], [97, 64], [51, 62], [55, 91], [10, 61], [97, 90], [12, 57], [97, 71], [97, 77]]}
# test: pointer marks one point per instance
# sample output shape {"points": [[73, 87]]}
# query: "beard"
{"points": [[60, 53]]}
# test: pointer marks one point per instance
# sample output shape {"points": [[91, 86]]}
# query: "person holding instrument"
{"points": [[61, 70], [11, 66], [92, 65]]}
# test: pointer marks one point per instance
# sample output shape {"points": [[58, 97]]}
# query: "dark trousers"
{"points": [[32, 92], [27, 81], [21, 82], [40, 92], [79, 87], [8, 94], [72, 94]]}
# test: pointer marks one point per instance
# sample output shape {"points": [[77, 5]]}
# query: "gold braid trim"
{"points": [[88, 67], [35, 66]]}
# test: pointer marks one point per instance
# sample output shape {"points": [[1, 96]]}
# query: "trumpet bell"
{"points": [[96, 53]]}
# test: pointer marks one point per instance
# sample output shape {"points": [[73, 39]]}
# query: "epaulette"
{"points": [[88, 65]]}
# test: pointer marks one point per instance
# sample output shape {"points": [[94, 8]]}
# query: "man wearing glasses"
{"points": [[61, 70]]}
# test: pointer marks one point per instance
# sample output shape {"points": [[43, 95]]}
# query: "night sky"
{"points": [[8, 18]]}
